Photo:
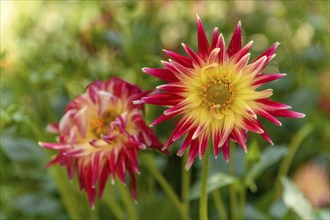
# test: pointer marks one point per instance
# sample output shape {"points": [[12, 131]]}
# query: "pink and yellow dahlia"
{"points": [[216, 92], [100, 134]]}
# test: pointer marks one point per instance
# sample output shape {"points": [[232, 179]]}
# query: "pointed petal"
{"points": [[270, 51], [269, 117], [96, 160], [226, 129], [176, 129], [214, 38], [236, 41], [265, 135], [162, 118], [215, 140], [186, 143], [54, 146], [177, 109], [103, 179], [242, 52], [200, 128], [203, 145], [222, 55], [186, 126], [161, 73], [203, 44], [242, 62], [173, 87], [265, 78], [239, 136], [287, 114], [256, 66], [163, 99], [184, 61], [252, 125], [133, 184], [193, 151], [270, 105], [195, 57], [225, 150], [183, 71]]}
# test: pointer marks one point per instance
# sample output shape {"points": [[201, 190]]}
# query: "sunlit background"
{"points": [[50, 51]]}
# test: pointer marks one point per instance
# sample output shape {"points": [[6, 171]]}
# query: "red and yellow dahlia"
{"points": [[216, 92], [100, 134]]}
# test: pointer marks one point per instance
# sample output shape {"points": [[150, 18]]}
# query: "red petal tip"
{"points": [[188, 165], [136, 102], [164, 148], [197, 16]]}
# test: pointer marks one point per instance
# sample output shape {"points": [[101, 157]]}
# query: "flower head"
{"points": [[100, 134], [216, 92]]}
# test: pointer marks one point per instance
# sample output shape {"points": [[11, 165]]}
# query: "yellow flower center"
{"points": [[218, 93], [101, 125]]}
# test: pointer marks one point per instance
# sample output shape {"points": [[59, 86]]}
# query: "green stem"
{"points": [[110, 199], [293, 147], [242, 202], [93, 213], [232, 189], [222, 213], [150, 165], [203, 199], [68, 199], [127, 200], [185, 186]]}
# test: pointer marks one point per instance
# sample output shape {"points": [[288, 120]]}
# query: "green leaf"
{"points": [[214, 182], [21, 149], [295, 199], [36, 204], [270, 156]]}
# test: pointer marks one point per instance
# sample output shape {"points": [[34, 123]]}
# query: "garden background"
{"points": [[51, 50]]}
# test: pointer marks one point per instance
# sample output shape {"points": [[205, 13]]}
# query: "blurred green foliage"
{"points": [[51, 50]]}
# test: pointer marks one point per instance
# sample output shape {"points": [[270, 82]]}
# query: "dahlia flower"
{"points": [[216, 92], [100, 134]]}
